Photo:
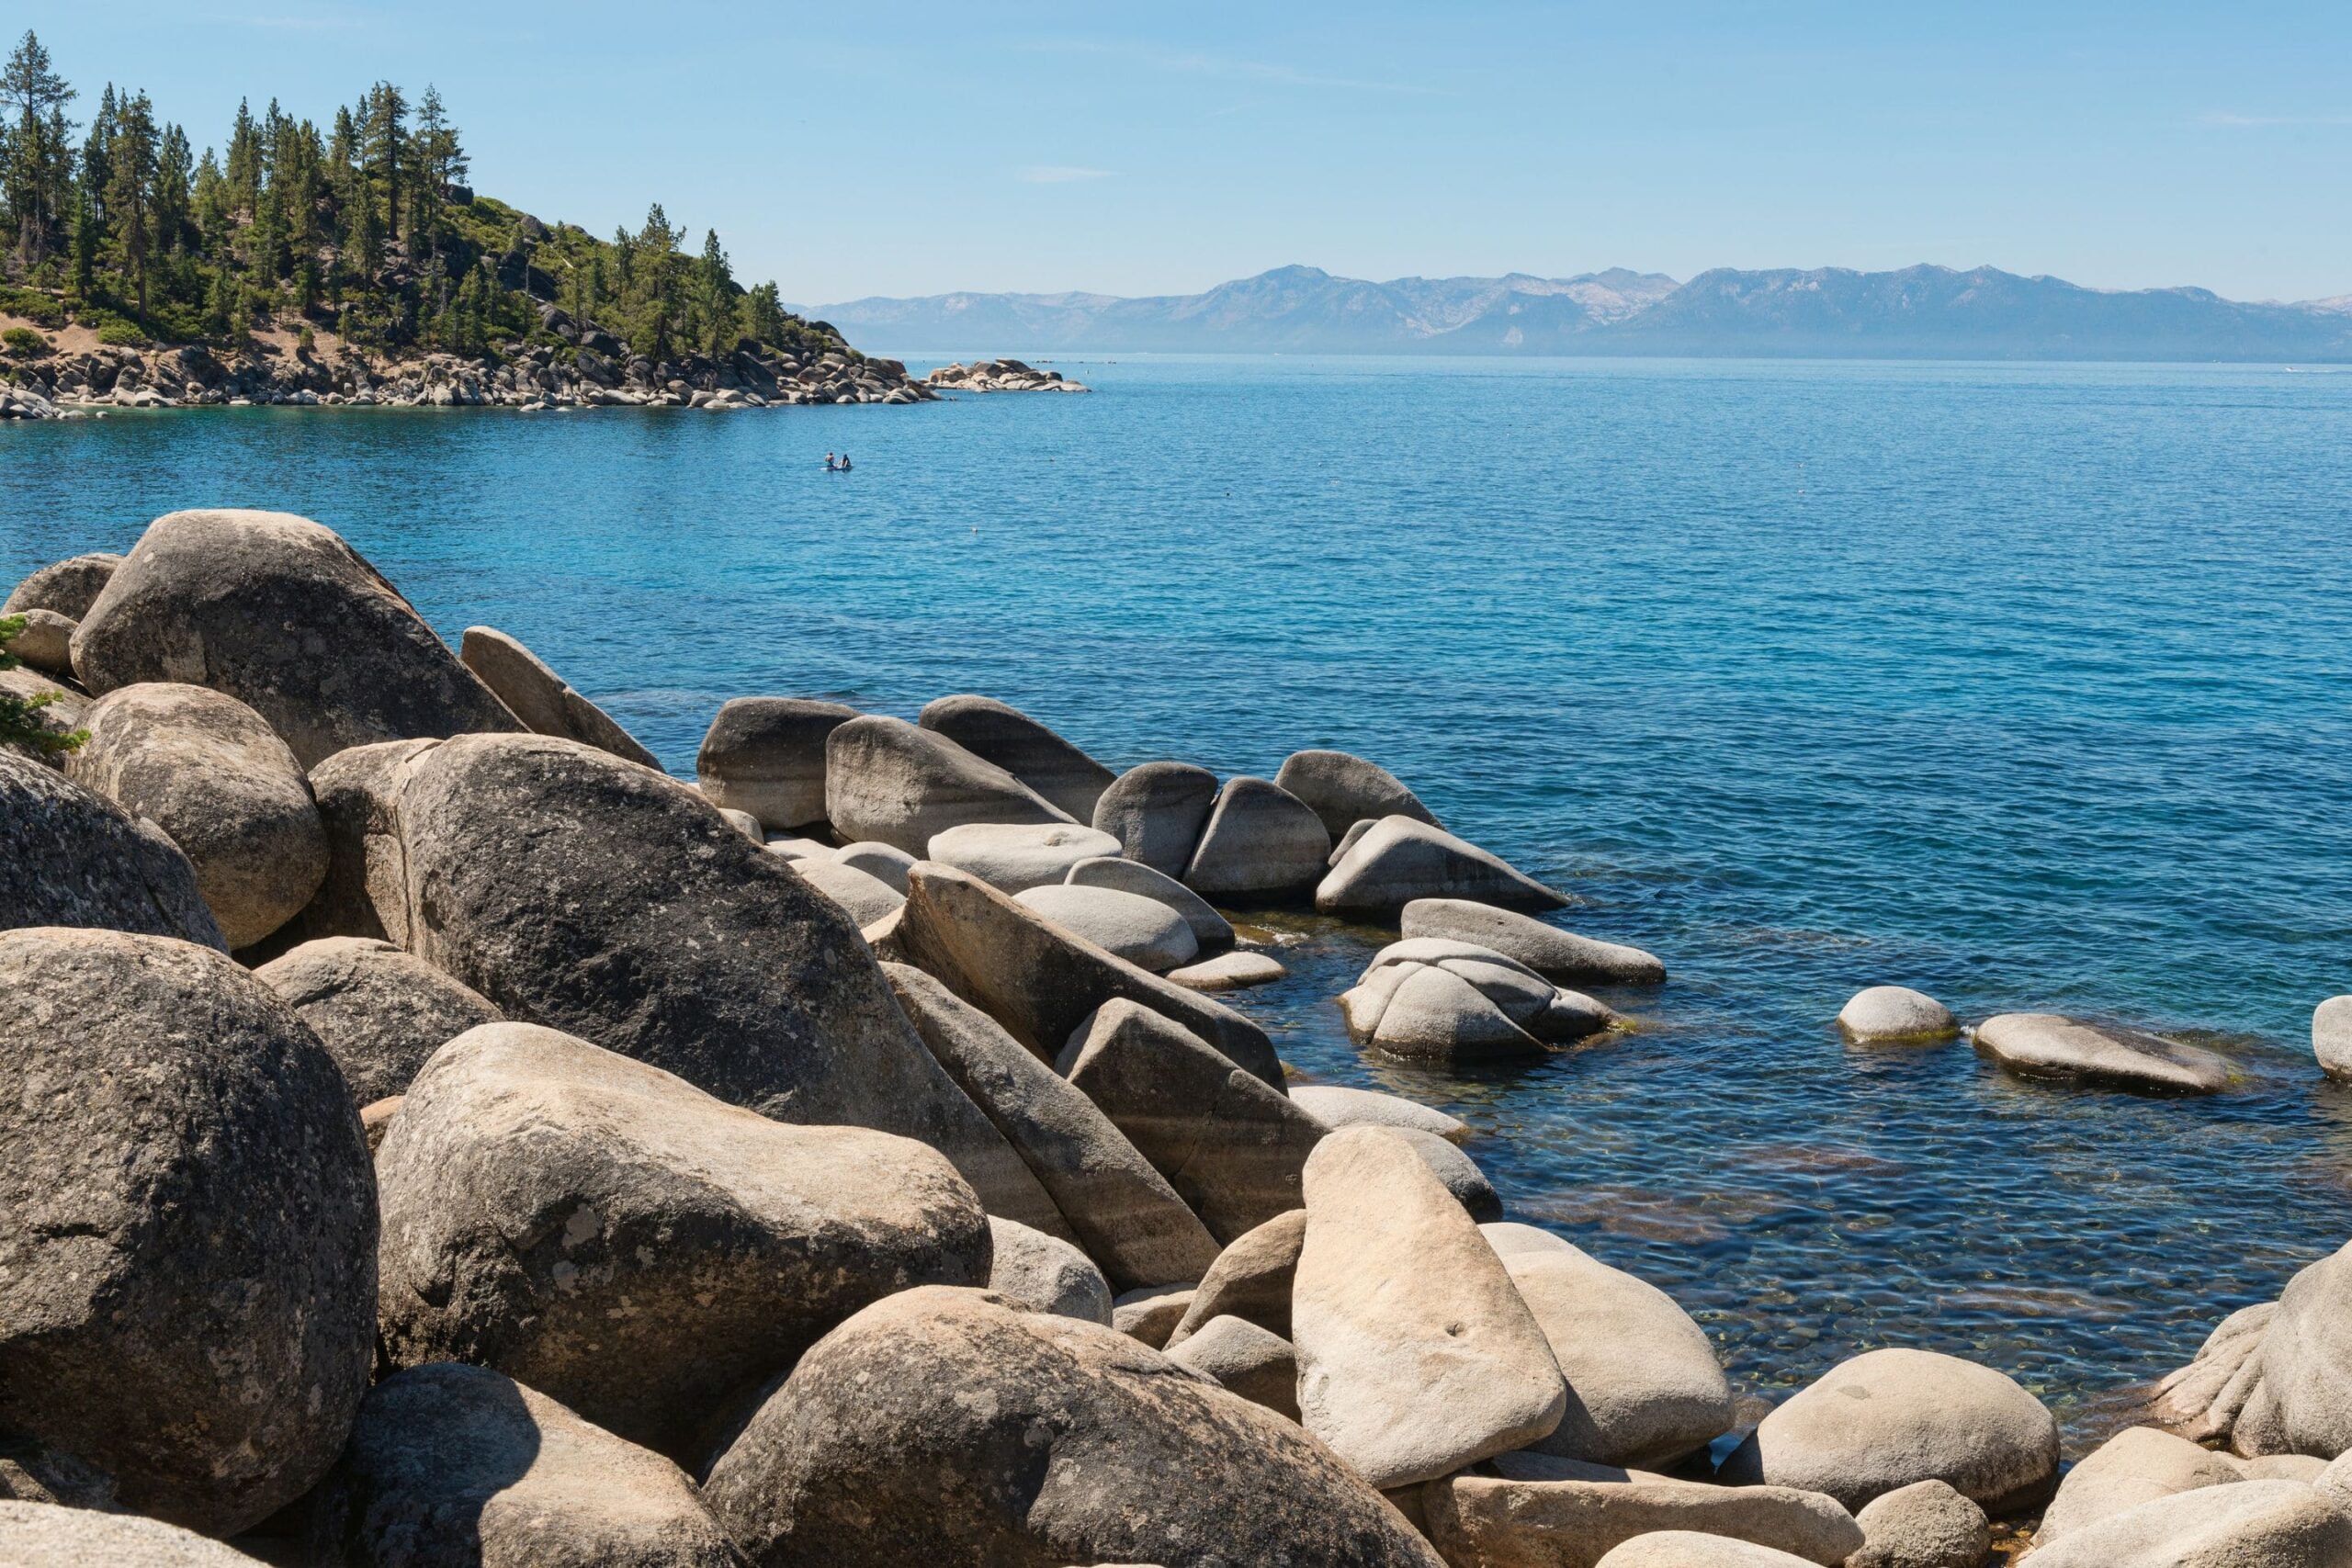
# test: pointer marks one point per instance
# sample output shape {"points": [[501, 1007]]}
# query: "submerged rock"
{"points": [[1430, 998], [942, 1427], [1562, 957], [2202, 1399], [1262, 844], [999, 733], [1228, 971], [542, 699], [380, 1012], [623, 1241], [1894, 1014], [187, 1228], [2043, 1044], [886, 779], [1887, 1418], [1157, 812], [281, 614], [768, 756], [453, 1465], [1401, 859], [77, 859], [205, 769], [1417, 1354]]}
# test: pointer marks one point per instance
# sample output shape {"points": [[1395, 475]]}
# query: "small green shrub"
{"points": [[23, 343], [35, 307], [20, 723], [123, 334]]}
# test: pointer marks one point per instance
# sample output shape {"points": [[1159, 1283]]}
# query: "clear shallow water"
{"points": [[2024, 685]]}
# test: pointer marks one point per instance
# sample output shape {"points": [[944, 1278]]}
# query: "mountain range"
{"points": [[1919, 312]]}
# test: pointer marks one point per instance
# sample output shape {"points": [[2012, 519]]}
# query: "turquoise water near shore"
{"points": [[2025, 685]]}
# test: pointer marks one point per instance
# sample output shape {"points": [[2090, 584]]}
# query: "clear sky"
{"points": [[889, 148]]}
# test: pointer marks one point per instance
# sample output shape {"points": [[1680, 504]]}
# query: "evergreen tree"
{"points": [[36, 151], [387, 142], [130, 184], [717, 281]]}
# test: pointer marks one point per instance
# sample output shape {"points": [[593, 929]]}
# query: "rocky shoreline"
{"points": [[999, 376], [441, 1137]]}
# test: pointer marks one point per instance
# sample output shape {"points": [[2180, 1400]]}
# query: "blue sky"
{"points": [[891, 148]]}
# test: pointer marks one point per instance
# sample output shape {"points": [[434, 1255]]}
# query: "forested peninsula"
{"points": [[354, 264]]}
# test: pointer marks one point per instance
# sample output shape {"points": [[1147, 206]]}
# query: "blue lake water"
{"points": [[2031, 686]]}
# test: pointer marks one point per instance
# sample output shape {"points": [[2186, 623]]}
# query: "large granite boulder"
{"points": [[187, 1228], [68, 587], [280, 613], [1417, 1354], [767, 756], [1426, 999], [75, 858], [1014, 856], [1157, 812], [1401, 859], [886, 779], [453, 1466], [2257, 1524], [1262, 845], [2137, 1465], [1567, 1515], [1251, 1279], [2046, 1046], [1923, 1525], [1562, 957], [1041, 981], [1120, 1210], [944, 1427], [205, 769], [2202, 1399], [1211, 930], [1144, 931], [2332, 1037], [42, 1535], [380, 1012], [1887, 1418], [580, 892], [365, 892], [610, 1235], [999, 733], [2301, 1398], [1644, 1384], [1895, 1015], [542, 699], [1343, 790], [1045, 1273], [1254, 1362], [57, 711], [1230, 1145]]}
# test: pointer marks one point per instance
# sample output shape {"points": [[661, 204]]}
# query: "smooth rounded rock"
{"points": [[453, 1466], [2046, 1046], [2332, 1037], [1157, 812], [1262, 845], [1562, 957], [1923, 1525], [187, 1228], [1457, 1170], [43, 1534], [1417, 1354], [1252, 1278], [1430, 998], [1149, 1314], [886, 864], [2257, 1524], [543, 700], [1692, 1549], [2300, 1372], [886, 779], [1401, 860], [380, 1012], [627, 1245], [1338, 1105], [365, 892], [58, 715], [281, 614], [68, 587], [77, 859], [1144, 931], [999, 733], [768, 756], [2137, 1465], [1014, 857], [1887, 1418], [1343, 789], [205, 769], [1210, 929], [1236, 971], [866, 898], [1045, 1273], [942, 1427], [1894, 1014], [1549, 1513], [45, 642], [1258, 1365]]}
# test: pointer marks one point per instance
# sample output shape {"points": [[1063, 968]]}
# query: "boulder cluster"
{"points": [[433, 1135], [999, 376], [587, 369]]}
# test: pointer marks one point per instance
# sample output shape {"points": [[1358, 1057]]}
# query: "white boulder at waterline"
{"points": [[2048, 1045], [1339, 1105], [1399, 859], [1233, 971], [1210, 929], [1894, 1014], [1430, 998], [2332, 1037]]}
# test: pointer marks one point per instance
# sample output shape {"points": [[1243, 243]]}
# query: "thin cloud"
{"points": [[1226, 67], [2258, 121], [1057, 174]]}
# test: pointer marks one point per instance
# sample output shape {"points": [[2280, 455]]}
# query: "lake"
{"points": [[2026, 685]]}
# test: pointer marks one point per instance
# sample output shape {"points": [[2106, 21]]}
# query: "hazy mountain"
{"points": [[1918, 312]]}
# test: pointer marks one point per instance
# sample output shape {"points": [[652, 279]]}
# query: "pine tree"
{"points": [[717, 287], [130, 187], [244, 162], [35, 150], [387, 135]]}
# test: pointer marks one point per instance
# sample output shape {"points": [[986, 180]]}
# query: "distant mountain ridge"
{"points": [[1918, 312]]}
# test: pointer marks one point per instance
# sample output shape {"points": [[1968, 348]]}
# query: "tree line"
{"points": [[367, 228]]}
